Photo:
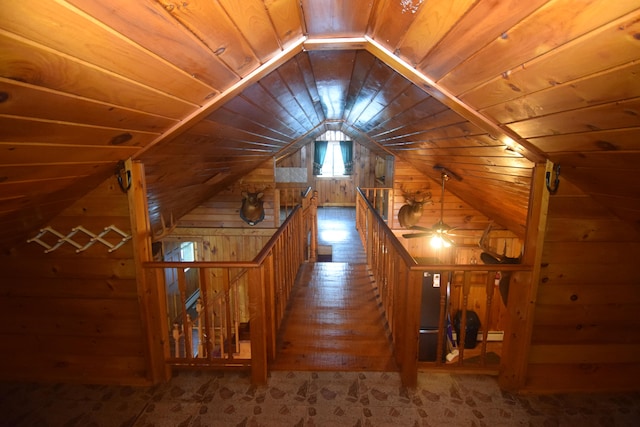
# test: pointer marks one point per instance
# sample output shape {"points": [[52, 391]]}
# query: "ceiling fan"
{"points": [[441, 232]]}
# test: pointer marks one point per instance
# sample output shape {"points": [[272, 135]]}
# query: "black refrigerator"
{"points": [[430, 315]]}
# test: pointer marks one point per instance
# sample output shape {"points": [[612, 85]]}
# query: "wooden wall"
{"points": [[223, 210], [467, 221], [74, 317], [472, 224], [586, 333], [339, 191]]}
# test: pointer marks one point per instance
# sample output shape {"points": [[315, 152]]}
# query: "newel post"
{"points": [[258, 326], [411, 335], [153, 319], [313, 209], [523, 289]]}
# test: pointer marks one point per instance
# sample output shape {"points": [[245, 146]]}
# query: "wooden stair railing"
{"points": [[381, 199], [399, 280], [265, 282]]}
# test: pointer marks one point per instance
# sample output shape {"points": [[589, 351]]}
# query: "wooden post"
{"points": [[257, 307], [462, 332], [369, 231], [153, 322], [276, 208], [523, 289], [442, 321], [186, 331], [275, 300], [209, 333], [228, 332], [489, 290], [409, 367], [314, 226], [398, 300]]}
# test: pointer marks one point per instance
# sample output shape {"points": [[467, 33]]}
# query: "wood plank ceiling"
{"points": [[202, 91]]}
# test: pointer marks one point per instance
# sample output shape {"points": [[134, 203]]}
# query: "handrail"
{"points": [[204, 338], [264, 252], [472, 267], [380, 198], [402, 251], [399, 279], [254, 263]]}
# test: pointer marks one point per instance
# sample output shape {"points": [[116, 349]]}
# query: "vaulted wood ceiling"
{"points": [[202, 91]]}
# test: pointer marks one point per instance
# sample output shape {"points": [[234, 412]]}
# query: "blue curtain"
{"points": [[319, 153], [346, 148]]}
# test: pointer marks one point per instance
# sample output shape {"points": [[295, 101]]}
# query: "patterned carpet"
{"points": [[196, 398], [309, 399]]}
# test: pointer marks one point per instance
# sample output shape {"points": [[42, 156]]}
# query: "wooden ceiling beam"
{"points": [[506, 136], [336, 43]]}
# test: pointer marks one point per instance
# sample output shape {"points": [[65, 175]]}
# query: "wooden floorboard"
{"points": [[333, 321]]}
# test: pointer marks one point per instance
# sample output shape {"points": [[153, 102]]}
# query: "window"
{"points": [[187, 252], [333, 163]]}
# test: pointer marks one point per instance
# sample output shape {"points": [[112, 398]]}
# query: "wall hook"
{"points": [[120, 168], [556, 181]]}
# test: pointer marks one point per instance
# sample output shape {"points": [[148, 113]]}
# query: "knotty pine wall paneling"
{"points": [[74, 317], [338, 191], [471, 224], [586, 332], [221, 235], [223, 209], [341, 191], [222, 244]]}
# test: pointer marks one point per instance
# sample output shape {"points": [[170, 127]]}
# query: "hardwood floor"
{"points": [[334, 321], [337, 228]]}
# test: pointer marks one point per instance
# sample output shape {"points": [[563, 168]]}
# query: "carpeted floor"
{"points": [[197, 398], [310, 399]]}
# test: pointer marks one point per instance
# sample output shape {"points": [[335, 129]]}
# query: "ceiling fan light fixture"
{"points": [[438, 242]]}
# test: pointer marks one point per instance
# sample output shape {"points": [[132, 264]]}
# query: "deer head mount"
{"points": [[252, 209], [411, 212]]}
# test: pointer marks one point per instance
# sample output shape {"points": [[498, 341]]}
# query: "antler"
{"points": [[485, 246], [165, 231], [501, 259], [412, 196]]}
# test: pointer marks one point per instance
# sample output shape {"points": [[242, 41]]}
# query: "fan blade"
{"points": [[448, 240], [417, 227], [464, 236], [415, 235]]}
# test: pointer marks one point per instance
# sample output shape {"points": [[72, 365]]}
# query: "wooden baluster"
{"points": [[314, 226], [491, 277], [207, 311], [221, 303], [199, 328], [236, 316], [182, 286], [442, 322], [466, 288], [227, 311], [176, 339], [277, 204], [188, 336]]}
